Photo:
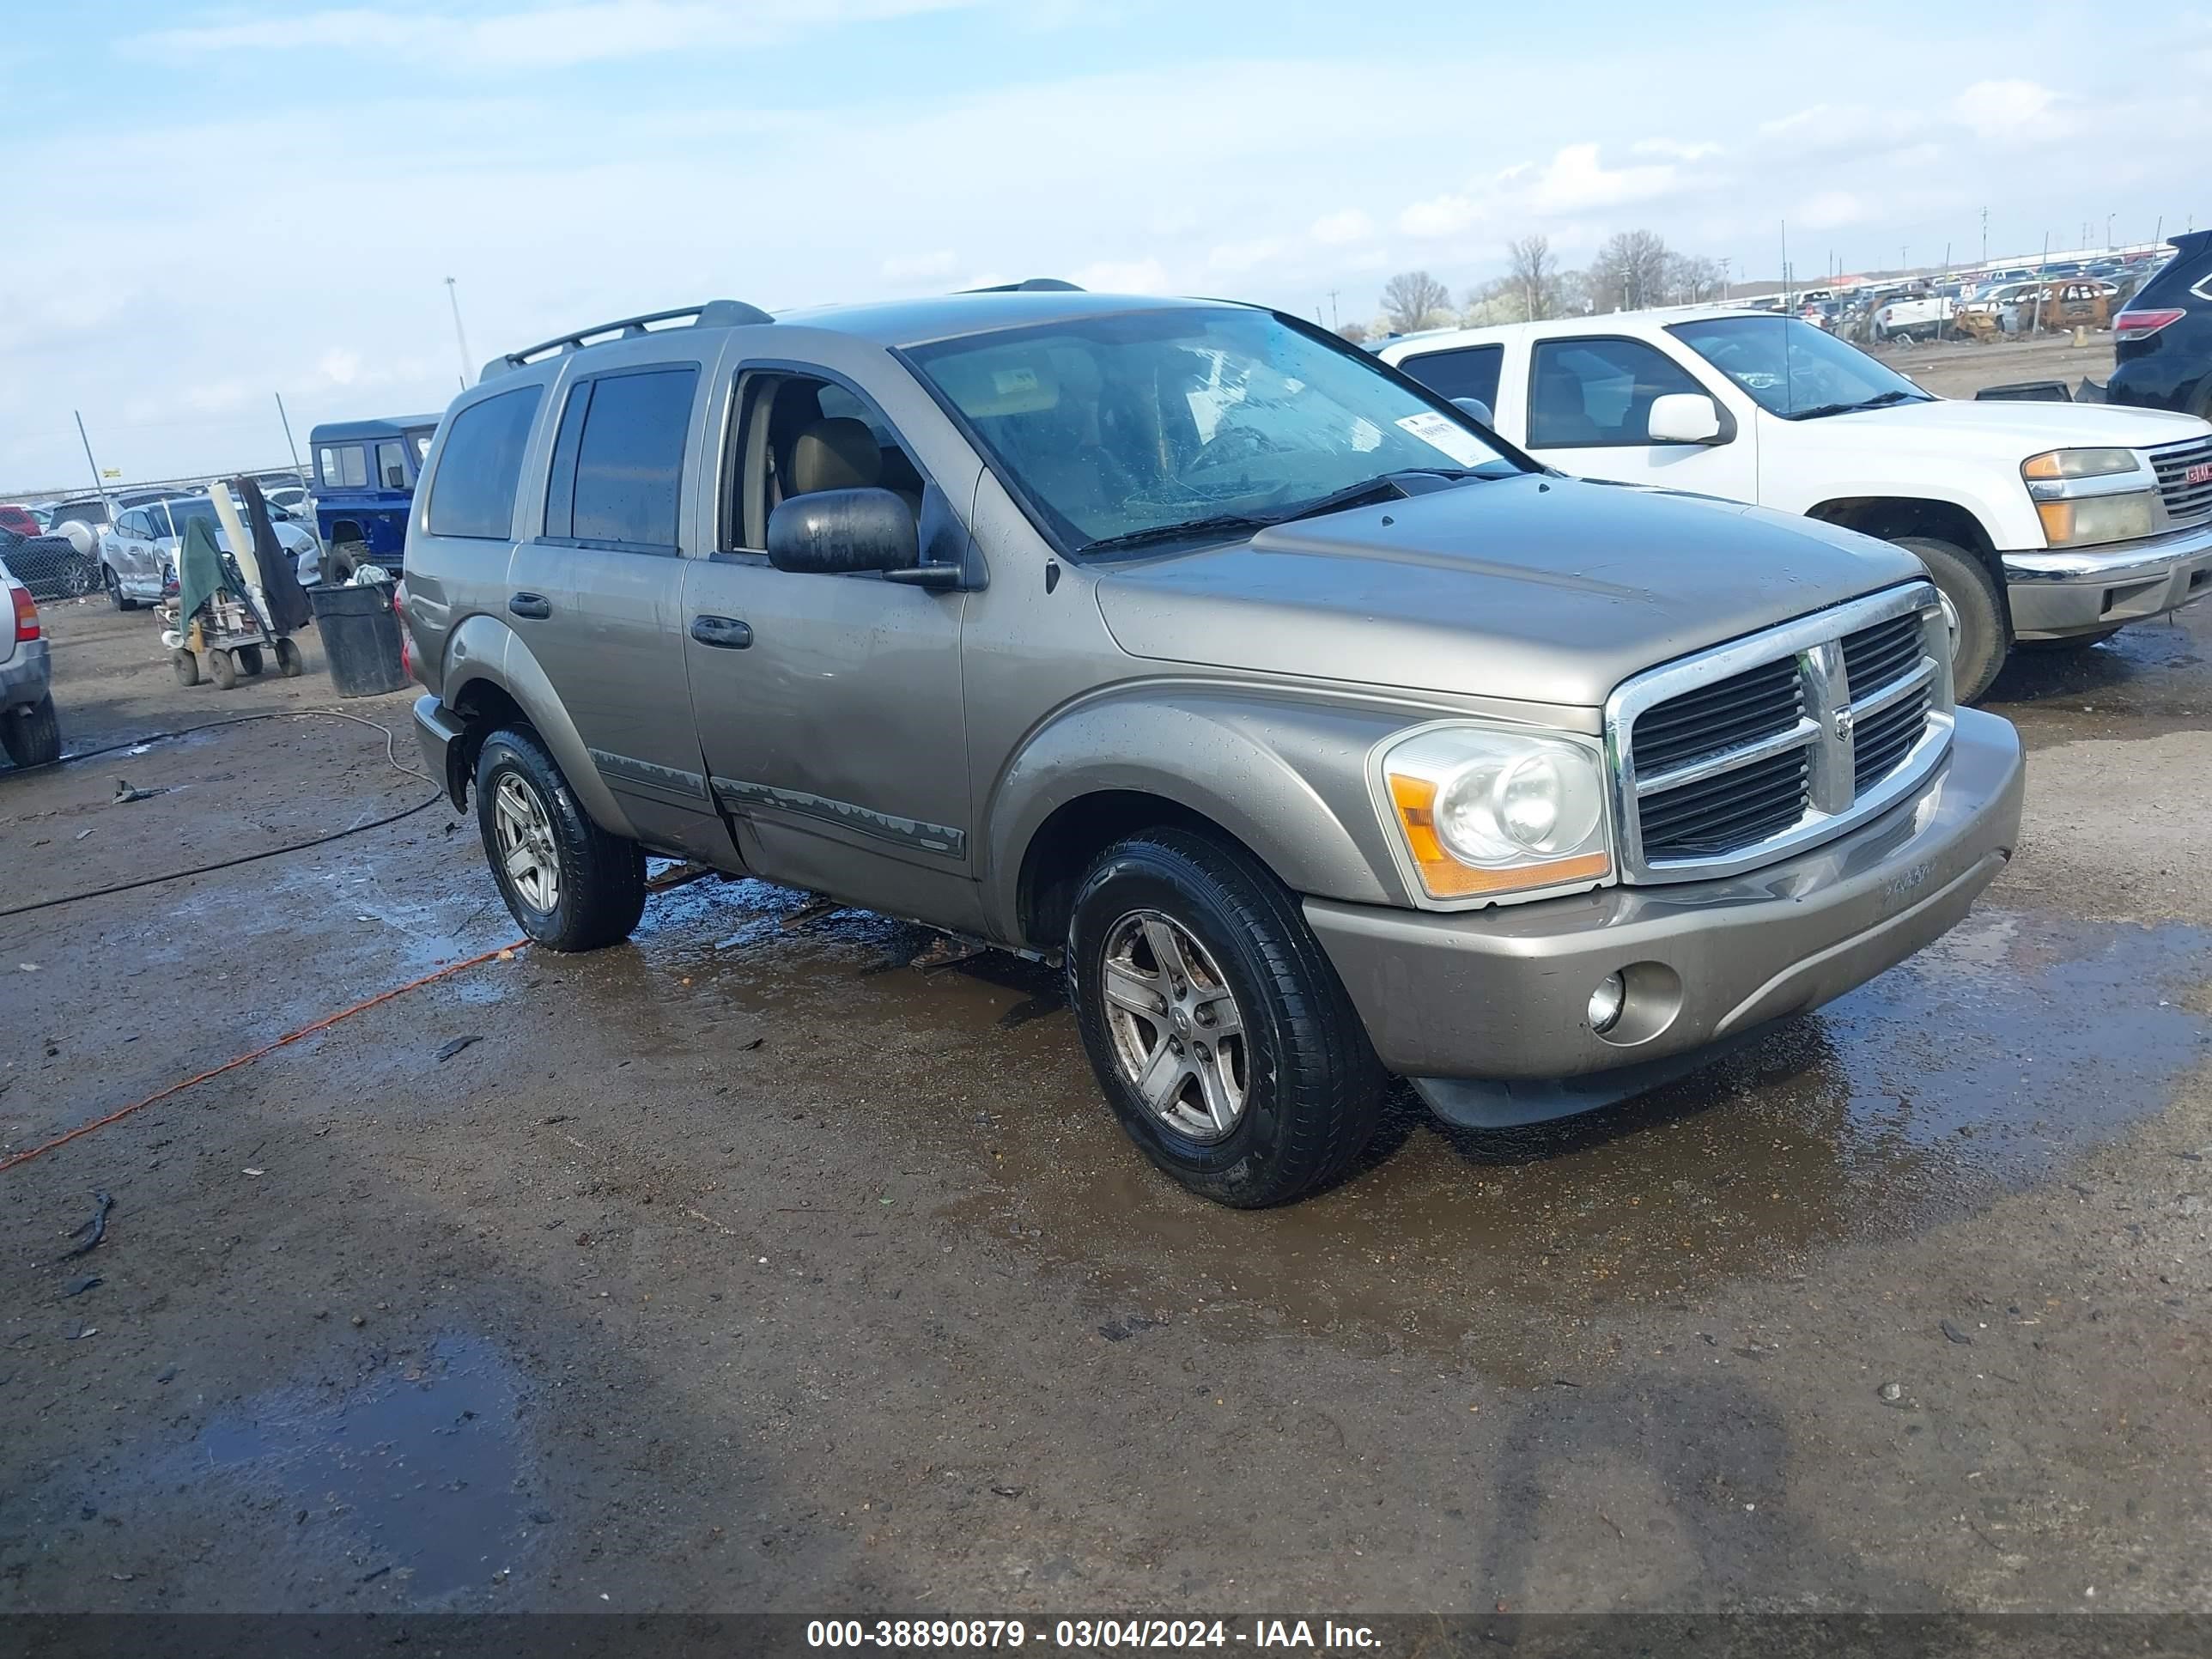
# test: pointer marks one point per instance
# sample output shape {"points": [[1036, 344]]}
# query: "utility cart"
{"points": [[229, 632]]}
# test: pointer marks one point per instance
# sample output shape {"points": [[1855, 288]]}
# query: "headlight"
{"points": [[1484, 812], [2098, 518], [2059, 464]]}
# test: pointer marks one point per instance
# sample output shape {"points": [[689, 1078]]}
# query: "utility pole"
{"points": [[1331, 308], [2108, 231], [1785, 265], [288, 444], [1986, 237], [98, 484], [459, 334]]}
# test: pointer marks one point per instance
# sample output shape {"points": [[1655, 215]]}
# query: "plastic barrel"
{"points": [[360, 638]]}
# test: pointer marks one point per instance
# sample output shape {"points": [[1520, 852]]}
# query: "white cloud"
{"points": [[1576, 181], [1673, 149], [1231, 258], [2002, 109], [1440, 215], [910, 268], [1337, 229], [1829, 210]]}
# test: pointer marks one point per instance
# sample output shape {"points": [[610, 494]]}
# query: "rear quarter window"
{"points": [[473, 491], [1468, 372]]}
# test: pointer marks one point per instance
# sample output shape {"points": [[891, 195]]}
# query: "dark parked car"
{"points": [[2163, 338]]}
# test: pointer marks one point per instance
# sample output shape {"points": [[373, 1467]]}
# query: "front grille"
{"points": [[1884, 738], [1874, 656], [1750, 706], [2186, 504], [1732, 810], [1731, 758]]}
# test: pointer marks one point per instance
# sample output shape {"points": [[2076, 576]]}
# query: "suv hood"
{"points": [[1998, 430], [1537, 589]]}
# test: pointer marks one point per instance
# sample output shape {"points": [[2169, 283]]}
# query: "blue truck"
{"points": [[365, 474]]}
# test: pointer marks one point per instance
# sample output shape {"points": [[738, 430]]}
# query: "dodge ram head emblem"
{"points": [[1844, 722]]}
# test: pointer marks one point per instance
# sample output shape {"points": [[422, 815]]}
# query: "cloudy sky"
{"points": [[208, 205]]}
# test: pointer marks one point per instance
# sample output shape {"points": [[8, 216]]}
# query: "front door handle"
{"points": [[726, 633], [536, 606]]}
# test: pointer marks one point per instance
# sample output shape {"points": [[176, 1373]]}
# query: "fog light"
{"points": [[1605, 1003]]}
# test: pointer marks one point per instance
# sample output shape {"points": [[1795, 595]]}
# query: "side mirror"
{"points": [[1685, 417], [1477, 408], [836, 533]]}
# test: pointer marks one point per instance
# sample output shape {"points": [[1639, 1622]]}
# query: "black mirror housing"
{"points": [[838, 532]]}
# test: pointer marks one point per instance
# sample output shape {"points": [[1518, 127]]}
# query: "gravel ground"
{"points": [[749, 1266]]}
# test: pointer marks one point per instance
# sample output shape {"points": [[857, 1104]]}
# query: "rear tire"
{"points": [[32, 736], [1305, 1086], [289, 662], [109, 580], [249, 661], [570, 884], [1979, 650]]}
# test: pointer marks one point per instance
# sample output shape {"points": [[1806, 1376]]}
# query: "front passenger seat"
{"points": [[840, 452]]}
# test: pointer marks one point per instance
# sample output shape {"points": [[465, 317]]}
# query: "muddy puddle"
{"points": [[416, 1478], [1977, 1068]]}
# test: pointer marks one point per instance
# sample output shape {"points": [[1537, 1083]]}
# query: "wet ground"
{"points": [[778, 1261]]}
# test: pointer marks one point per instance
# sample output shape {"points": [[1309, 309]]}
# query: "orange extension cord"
{"points": [[323, 1024], [682, 876]]}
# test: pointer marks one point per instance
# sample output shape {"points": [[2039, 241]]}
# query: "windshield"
{"points": [[184, 510], [1123, 428], [1794, 370]]}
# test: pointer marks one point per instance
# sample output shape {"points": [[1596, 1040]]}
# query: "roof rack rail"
{"points": [[1029, 285], [714, 314]]}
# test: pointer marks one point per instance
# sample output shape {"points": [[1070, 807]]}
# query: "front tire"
{"points": [[570, 884], [1216, 1026], [1979, 650], [32, 735], [113, 583]]}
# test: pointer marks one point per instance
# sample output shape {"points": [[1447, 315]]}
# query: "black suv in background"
{"points": [[2162, 339]]}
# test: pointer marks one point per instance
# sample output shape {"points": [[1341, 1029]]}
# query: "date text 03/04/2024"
{"points": [[1083, 1634]]}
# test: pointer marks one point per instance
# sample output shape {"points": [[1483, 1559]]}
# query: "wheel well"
{"points": [[1889, 517], [484, 709], [347, 530], [1068, 842]]}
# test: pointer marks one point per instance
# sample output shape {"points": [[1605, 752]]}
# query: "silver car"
{"points": [[138, 555], [1320, 734]]}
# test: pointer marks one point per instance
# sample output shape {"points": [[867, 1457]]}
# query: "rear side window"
{"points": [[345, 467], [473, 494], [1469, 372], [618, 463], [392, 465]]}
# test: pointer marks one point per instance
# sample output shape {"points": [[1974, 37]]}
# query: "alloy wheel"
{"points": [[527, 852], [1178, 1034]]}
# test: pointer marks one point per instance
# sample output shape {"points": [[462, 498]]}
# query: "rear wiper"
{"points": [[1223, 524]]}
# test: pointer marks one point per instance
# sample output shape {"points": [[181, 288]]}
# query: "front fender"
{"points": [[484, 650], [1283, 772]]}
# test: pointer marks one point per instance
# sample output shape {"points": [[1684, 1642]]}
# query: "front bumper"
{"points": [[1500, 995], [2092, 589], [25, 675]]}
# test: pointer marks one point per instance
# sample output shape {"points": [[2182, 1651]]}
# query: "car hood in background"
{"points": [[2015, 430], [1536, 589]]}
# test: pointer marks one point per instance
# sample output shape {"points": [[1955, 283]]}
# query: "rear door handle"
{"points": [[536, 606], [726, 633]]}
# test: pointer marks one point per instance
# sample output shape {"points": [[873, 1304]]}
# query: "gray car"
{"points": [[1322, 735], [29, 731]]}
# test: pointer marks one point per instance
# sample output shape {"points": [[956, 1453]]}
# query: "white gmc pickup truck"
{"points": [[2044, 524]]}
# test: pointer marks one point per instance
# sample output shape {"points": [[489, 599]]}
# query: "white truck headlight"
{"points": [[2085, 496], [1483, 811], [2098, 518]]}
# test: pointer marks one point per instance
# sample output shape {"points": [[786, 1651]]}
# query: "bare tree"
{"points": [[1630, 271], [1356, 332], [1533, 275], [1413, 299], [1692, 277]]}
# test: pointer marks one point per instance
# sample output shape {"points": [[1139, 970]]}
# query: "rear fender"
{"points": [[484, 650]]}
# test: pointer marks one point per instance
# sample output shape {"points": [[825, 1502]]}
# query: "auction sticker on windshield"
{"points": [[1440, 432]]}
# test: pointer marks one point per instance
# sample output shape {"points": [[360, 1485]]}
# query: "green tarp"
{"points": [[199, 571]]}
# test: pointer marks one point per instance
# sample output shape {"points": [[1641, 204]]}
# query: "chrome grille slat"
{"points": [[1731, 758], [2185, 503]]}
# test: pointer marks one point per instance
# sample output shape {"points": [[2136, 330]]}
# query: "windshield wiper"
{"points": [[1384, 488], [1881, 399], [1222, 524]]}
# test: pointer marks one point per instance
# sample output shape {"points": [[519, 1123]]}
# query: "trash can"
{"points": [[360, 638]]}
